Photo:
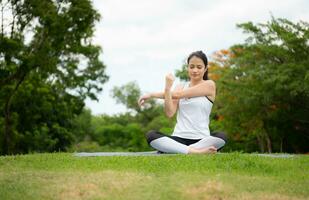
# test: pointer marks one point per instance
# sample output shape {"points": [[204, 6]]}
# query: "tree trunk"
{"points": [[268, 142], [7, 129], [281, 145], [7, 139], [261, 143]]}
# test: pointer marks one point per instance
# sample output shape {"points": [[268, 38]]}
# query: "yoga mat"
{"points": [[155, 153], [146, 153]]}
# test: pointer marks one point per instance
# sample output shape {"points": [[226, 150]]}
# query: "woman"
{"points": [[193, 100]]}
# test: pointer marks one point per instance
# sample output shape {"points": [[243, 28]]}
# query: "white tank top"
{"points": [[193, 117]]}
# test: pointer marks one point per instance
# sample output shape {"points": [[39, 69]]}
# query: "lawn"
{"points": [[221, 176]]}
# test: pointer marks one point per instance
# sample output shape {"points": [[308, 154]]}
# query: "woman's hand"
{"points": [[143, 99], [169, 80]]}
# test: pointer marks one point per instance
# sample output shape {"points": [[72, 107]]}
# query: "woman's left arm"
{"points": [[206, 88]]}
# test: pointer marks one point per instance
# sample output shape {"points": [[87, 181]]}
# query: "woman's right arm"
{"points": [[157, 95], [144, 98], [171, 104]]}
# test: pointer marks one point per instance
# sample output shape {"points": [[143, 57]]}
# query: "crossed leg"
{"points": [[172, 144]]}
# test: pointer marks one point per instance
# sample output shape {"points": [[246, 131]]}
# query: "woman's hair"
{"points": [[201, 55]]}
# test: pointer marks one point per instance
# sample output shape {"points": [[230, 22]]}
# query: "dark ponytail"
{"points": [[201, 55]]}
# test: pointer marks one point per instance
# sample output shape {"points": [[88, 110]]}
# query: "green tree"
{"points": [[128, 95], [82, 126], [265, 92], [46, 45]]}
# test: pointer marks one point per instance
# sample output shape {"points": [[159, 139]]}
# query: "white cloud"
{"points": [[144, 40]]}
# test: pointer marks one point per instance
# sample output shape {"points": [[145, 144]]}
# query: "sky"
{"points": [[142, 41]]}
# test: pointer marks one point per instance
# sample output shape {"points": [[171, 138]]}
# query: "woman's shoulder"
{"points": [[210, 83]]}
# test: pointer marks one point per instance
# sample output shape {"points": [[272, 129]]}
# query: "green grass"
{"points": [[221, 176]]}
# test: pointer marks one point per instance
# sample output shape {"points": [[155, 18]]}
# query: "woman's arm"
{"points": [[171, 105], [158, 95], [206, 88], [168, 103]]}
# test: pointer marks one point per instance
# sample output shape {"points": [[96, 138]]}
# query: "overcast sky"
{"points": [[143, 40]]}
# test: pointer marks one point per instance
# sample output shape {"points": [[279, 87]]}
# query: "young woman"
{"points": [[193, 100]]}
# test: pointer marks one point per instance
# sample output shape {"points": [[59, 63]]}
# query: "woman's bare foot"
{"points": [[206, 150]]}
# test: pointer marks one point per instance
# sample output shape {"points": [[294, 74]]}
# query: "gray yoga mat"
{"points": [[155, 153], [276, 155], [146, 153]]}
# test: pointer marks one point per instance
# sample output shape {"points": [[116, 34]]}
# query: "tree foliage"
{"points": [[265, 92], [48, 66]]}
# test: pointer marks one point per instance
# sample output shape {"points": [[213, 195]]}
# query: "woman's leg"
{"points": [[172, 144], [165, 144], [221, 135], [209, 141]]}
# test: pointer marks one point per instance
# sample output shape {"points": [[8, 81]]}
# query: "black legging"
{"points": [[153, 135]]}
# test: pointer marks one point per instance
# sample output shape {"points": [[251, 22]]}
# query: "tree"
{"points": [[266, 89], [82, 126], [47, 44], [128, 95]]}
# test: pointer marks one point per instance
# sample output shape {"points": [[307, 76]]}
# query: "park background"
{"points": [[71, 72]]}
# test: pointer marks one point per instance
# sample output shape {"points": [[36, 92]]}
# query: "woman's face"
{"points": [[196, 69]]}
